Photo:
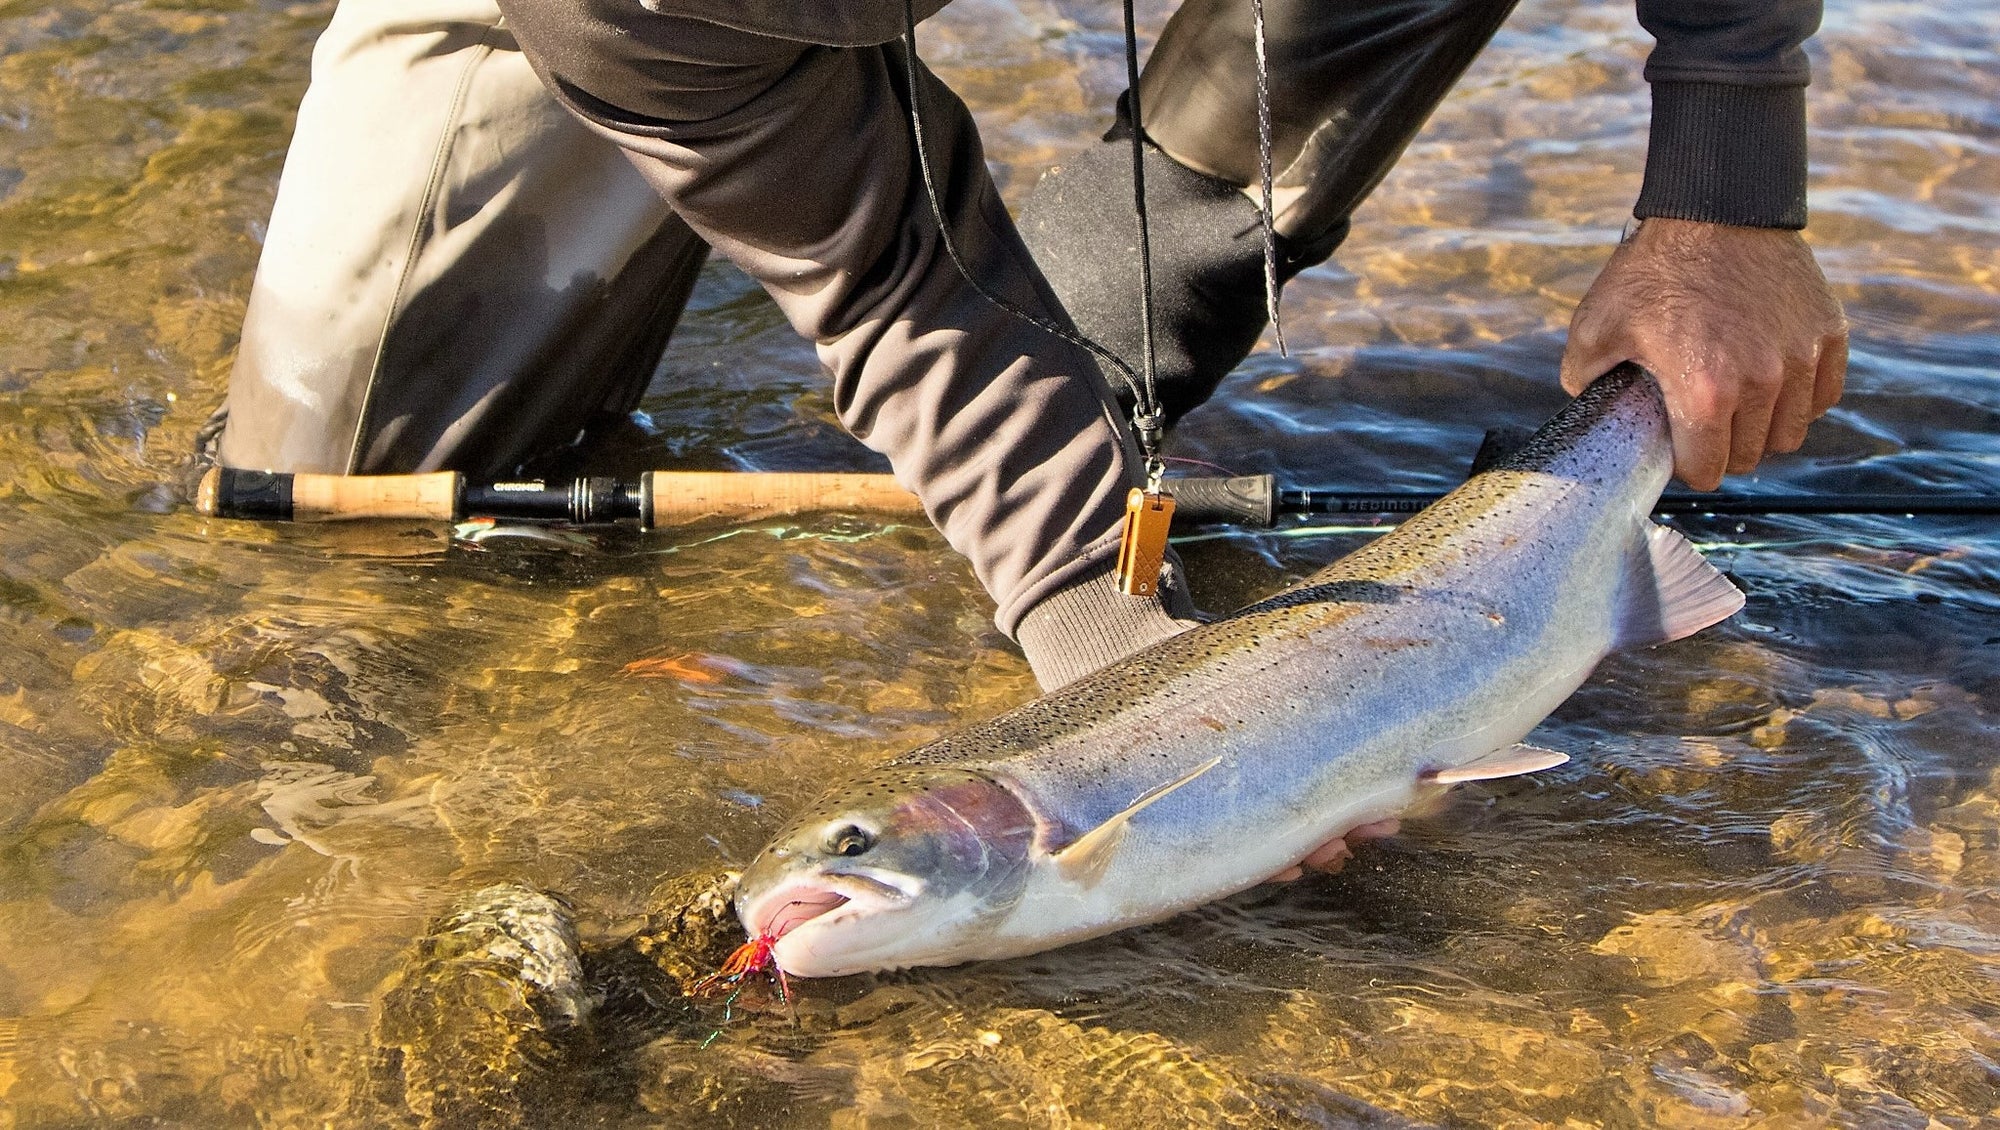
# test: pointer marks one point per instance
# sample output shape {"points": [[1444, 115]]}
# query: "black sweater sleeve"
{"points": [[1729, 120]]}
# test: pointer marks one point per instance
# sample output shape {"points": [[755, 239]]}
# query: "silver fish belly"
{"points": [[1215, 759]]}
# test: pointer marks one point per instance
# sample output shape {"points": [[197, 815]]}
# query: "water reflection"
{"points": [[248, 767]]}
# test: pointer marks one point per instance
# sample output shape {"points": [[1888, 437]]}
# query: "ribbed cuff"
{"points": [[1076, 630], [1724, 154]]}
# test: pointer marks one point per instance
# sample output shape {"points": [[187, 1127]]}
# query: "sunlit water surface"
{"points": [[244, 765]]}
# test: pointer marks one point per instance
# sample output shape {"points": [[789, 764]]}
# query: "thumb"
{"points": [[1588, 356]]}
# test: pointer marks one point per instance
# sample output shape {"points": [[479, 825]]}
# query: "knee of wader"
{"points": [[650, 66], [1207, 259], [636, 70]]}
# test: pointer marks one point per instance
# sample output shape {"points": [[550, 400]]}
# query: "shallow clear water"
{"points": [[244, 765]]}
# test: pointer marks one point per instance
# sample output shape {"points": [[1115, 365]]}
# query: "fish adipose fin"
{"points": [[1084, 859], [1671, 592], [1510, 762]]}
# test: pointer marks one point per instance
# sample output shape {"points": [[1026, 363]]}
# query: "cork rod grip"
{"points": [[326, 497], [227, 492], [680, 497]]}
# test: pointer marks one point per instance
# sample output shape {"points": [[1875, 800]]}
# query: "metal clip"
{"points": [[1142, 545]]}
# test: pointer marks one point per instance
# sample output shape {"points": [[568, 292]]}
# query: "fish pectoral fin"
{"points": [[1510, 762], [1084, 859], [1672, 592]]}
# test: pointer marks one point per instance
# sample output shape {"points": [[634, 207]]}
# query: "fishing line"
{"points": [[728, 1017], [1189, 461]]}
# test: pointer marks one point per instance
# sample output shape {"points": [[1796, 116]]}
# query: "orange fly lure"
{"points": [[753, 956]]}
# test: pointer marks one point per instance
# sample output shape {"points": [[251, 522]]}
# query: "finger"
{"points": [[1794, 409], [1588, 354], [1580, 366], [1329, 856], [1750, 427], [1586, 372], [1373, 830], [1288, 874], [1701, 439], [1831, 377]]}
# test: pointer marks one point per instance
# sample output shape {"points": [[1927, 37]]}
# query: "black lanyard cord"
{"points": [[1264, 214], [1146, 414], [1146, 417]]}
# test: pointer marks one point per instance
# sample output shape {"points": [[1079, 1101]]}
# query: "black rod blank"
{"points": [[1301, 501]]}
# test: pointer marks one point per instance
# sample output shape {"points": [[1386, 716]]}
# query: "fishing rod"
{"points": [[668, 498]]}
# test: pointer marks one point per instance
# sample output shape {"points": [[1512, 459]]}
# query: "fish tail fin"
{"points": [[1671, 592]]}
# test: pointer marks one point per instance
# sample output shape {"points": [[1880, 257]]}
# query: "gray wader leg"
{"points": [[1351, 84], [795, 160], [457, 274]]}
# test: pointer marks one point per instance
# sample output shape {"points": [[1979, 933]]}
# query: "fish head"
{"points": [[902, 867]]}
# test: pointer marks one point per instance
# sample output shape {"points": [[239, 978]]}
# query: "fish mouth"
{"points": [[804, 906], [825, 898]]}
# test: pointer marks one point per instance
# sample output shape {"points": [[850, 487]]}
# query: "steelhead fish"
{"points": [[1218, 758]]}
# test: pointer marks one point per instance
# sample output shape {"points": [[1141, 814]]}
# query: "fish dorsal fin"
{"points": [[1510, 762], [1671, 592], [1084, 859]]}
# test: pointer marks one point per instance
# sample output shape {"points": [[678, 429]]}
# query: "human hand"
{"points": [[1333, 855], [1738, 324]]}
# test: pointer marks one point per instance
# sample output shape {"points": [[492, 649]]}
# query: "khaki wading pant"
{"points": [[456, 273], [459, 274]]}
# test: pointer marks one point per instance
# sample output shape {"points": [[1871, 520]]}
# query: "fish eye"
{"points": [[849, 839]]}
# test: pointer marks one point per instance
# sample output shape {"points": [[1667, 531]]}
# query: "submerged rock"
{"points": [[1669, 948], [501, 1013], [691, 926], [485, 1007]]}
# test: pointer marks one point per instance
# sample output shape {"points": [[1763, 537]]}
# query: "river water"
{"points": [[245, 765]]}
